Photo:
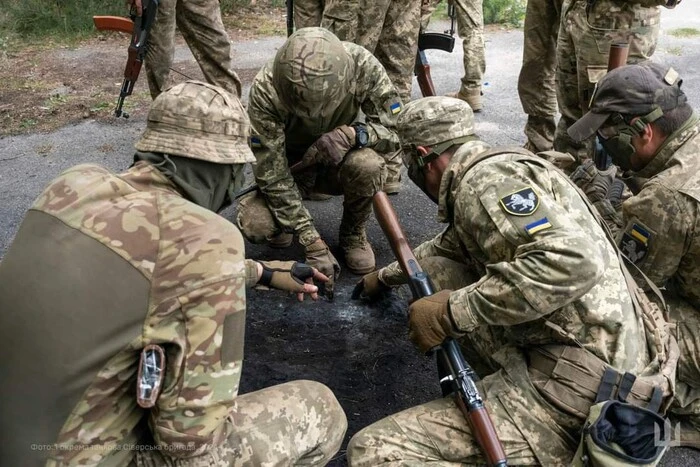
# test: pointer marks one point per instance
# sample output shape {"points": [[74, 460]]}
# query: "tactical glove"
{"points": [[429, 321], [319, 256], [593, 182], [331, 147], [291, 276], [370, 287]]}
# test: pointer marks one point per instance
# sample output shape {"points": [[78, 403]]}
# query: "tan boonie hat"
{"points": [[431, 121], [635, 90], [198, 120]]}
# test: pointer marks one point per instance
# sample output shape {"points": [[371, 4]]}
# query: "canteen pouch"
{"points": [[618, 434]]}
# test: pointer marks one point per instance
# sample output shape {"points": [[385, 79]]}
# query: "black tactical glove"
{"points": [[593, 182], [291, 276], [370, 287]]}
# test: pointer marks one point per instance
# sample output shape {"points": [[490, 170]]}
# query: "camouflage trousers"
{"points": [[308, 13], [437, 434], [470, 27], [199, 22], [583, 46], [362, 173], [341, 18], [296, 423], [536, 88]]}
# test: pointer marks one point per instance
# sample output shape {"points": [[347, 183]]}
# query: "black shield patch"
{"points": [[633, 248], [520, 203]]}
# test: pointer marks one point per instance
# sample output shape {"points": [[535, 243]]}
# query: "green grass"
{"points": [[684, 32], [677, 51], [510, 12]]}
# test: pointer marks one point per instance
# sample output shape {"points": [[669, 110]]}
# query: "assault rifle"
{"points": [[139, 27], [432, 40], [458, 374], [617, 58], [290, 17]]}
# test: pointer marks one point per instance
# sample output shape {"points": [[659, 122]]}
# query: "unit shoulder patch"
{"points": [[635, 243], [521, 203]]}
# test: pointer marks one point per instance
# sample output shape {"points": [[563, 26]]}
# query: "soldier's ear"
{"points": [[423, 150]]}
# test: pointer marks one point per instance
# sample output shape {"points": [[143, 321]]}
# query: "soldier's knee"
{"points": [[363, 172], [255, 220], [334, 422]]}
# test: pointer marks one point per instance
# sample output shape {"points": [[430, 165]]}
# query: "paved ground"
{"points": [[360, 351]]}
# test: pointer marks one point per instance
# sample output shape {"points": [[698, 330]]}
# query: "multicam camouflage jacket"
{"points": [[541, 257], [146, 267], [280, 138]]}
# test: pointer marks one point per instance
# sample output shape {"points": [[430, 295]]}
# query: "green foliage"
{"points": [[66, 17], [504, 12], [684, 32]]}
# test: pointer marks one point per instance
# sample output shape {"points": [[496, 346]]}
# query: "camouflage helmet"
{"points": [[437, 122], [312, 72], [200, 121]]}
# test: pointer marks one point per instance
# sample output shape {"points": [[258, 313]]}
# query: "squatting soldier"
{"points": [[306, 103], [123, 312], [199, 22], [536, 87], [586, 30], [643, 120], [531, 285]]}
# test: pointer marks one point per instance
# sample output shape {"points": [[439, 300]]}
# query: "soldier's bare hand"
{"points": [[319, 256]]}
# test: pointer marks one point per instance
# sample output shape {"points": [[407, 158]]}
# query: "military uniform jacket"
{"points": [[103, 265], [661, 231], [541, 256], [281, 138]]}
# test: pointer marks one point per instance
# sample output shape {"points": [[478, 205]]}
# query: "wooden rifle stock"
{"points": [[450, 358], [113, 23], [422, 71]]}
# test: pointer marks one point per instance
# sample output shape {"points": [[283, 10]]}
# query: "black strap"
{"points": [[657, 397], [625, 386], [266, 276], [607, 384]]}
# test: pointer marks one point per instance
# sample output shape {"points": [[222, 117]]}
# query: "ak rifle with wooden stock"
{"points": [[458, 374], [140, 29], [432, 40]]}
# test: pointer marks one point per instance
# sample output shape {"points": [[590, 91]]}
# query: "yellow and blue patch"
{"points": [[635, 243], [538, 226], [395, 108], [255, 142]]}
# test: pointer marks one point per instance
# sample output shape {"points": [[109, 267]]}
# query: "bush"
{"points": [[504, 12], [71, 17]]}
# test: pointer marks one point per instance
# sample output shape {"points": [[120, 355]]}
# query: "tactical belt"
{"points": [[572, 379]]}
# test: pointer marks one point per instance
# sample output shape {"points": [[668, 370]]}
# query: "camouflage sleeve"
{"points": [[381, 102], [271, 169], [657, 227], [537, 259], [445, 244]]}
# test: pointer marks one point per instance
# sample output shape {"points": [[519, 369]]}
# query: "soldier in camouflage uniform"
{"points": [[646, 125], [106, 266], [199, 22], [536, 86], [305, 106], [529, 282], [470, 27], [587, 29]]}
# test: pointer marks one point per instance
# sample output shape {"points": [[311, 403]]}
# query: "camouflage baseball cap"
{"points": [[198, 120], [636, 90], [312, 72]]}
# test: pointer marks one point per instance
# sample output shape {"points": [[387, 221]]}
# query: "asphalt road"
{"points": [[28, 163]]}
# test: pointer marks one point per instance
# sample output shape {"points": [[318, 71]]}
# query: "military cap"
{"points": [[636, 90], [312, 71], [431, 121], [200, 121]]}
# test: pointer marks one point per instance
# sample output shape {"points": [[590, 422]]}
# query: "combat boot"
{"points": [[471, 97], [359, 256]]}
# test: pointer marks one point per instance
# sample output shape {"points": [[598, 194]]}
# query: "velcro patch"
{"points": [[635, 243], [255, 142], [538, 226], [395, 108], [520, 203]]}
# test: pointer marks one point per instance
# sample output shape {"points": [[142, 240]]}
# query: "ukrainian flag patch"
{"points": [[640, 234], [635, 243], [395, 108], [538, 226], [255, 142]]}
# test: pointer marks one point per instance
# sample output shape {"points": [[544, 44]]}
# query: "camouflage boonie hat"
{"points": [[312, 71], [636, 90], [200, 121]]}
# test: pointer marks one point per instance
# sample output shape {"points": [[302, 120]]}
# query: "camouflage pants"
{"points": [[530, 429], [308, 13], [296, 423], [362, 173], [687, 321], [199, 22], [536, 87], [583, 47], [470, 27], [341, 17]]}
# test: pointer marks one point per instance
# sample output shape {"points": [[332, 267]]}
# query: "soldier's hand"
{"points": [[291, 276], [331, 147], [320, 257], [593, 182], [370, 287], [429, 321]]}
